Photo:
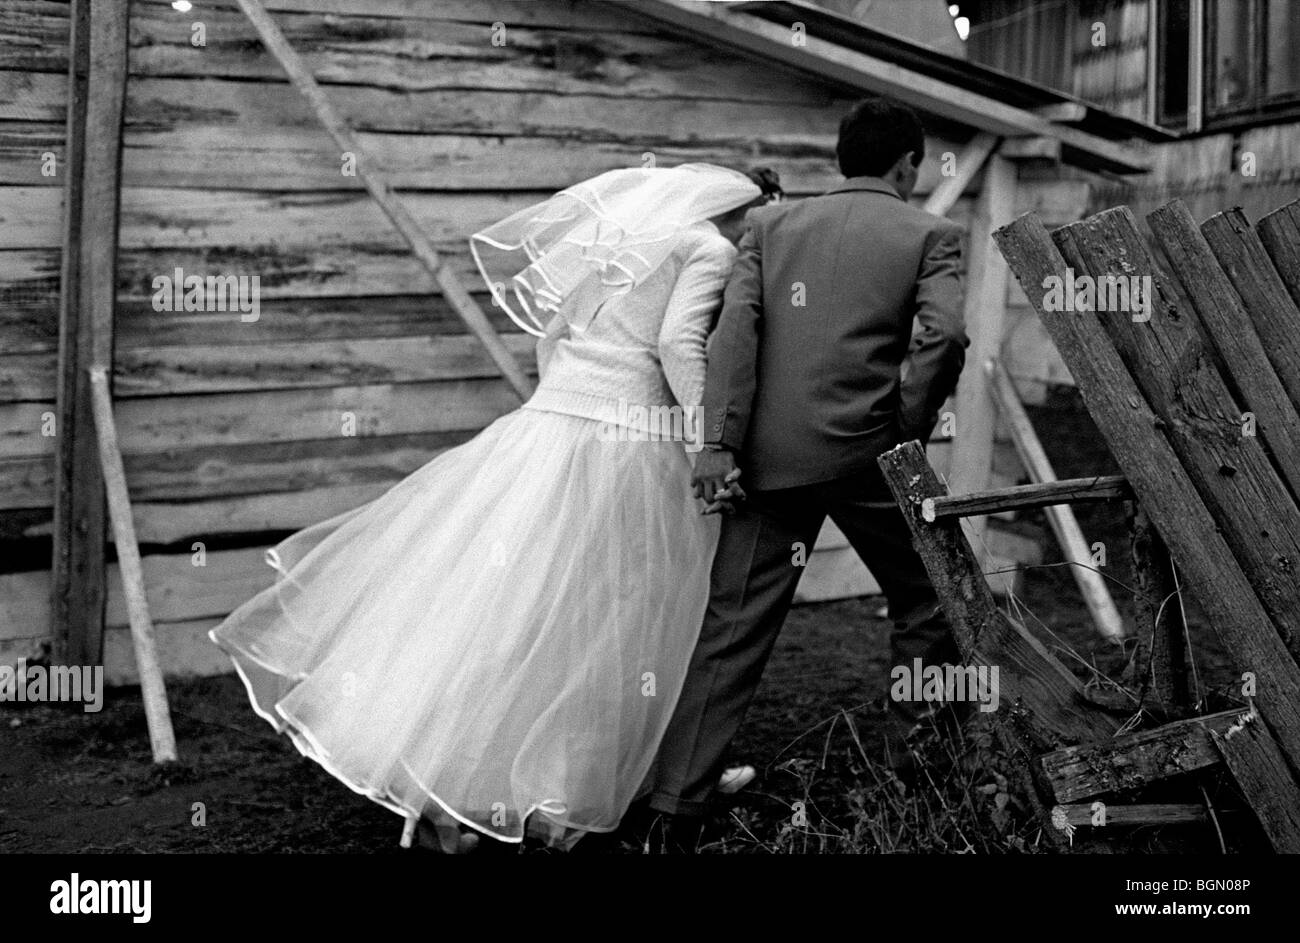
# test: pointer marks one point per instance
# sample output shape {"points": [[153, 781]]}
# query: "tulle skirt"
{"points": [[499, 639]]}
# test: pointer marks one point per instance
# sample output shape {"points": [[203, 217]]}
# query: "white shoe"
{"points": [[735, 779]]}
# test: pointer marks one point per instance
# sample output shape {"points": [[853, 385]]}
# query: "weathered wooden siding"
{"points": [[1113, 73], [1257, 169], [233, 431]]}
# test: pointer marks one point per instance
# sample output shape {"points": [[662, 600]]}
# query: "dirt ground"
{"points": [[74, 782]]}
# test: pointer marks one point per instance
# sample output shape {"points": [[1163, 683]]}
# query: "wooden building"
{"points": [[1223, 75], [356, 369]]}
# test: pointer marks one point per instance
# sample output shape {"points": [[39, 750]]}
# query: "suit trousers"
{"points": [[753, 580]]}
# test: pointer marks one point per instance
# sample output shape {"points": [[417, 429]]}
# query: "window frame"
{"points": [[1201, 113]]}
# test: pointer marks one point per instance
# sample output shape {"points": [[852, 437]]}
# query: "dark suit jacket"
{"points": [[804, 366]]}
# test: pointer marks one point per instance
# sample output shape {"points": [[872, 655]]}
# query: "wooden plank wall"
{"points": [[233, 432], [1114, 73], [1257, 169]]}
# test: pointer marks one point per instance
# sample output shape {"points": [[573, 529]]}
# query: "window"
{"points": [[1173, 50], [1248, 55]]}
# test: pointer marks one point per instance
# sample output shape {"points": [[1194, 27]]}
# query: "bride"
{"points": [[495, 646]]}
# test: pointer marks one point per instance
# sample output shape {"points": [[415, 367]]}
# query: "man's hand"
{"points": [[716, 480]]}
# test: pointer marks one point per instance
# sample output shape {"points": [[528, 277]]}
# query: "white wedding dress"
{"points": [[501, 638]]}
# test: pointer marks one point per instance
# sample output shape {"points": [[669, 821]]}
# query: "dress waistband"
{"points": [[660, 421]]}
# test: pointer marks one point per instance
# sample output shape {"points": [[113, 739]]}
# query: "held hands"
{"points": [[716, 481]]}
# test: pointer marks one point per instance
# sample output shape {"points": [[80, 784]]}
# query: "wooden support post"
{"points": [[1024, 497], [157, 715], [1160, 662], [373, 180], [1133, 433], [1169, 359], [1280, 233], [1136, 759], [97, 64], [969, 163], [1074, 548], [984, 312], [1262, 773]]}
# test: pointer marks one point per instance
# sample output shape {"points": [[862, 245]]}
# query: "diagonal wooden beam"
{"points": [[157, 715], [1065, 525], [374, 181], [969, 163], [1279, 231], [715, 22], [1244, 259], [1226, 321]]}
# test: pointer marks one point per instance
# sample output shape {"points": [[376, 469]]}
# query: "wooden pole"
{"points": [[97, 66], [1226, 321], [157, 715], [984, 312], [373, 180], [1275, 316], [1065, 525]]}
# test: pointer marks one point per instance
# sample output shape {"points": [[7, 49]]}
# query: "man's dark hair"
{"points": [[875, 134]]}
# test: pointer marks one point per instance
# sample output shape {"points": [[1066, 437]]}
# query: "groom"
{"points": [[803, 392]]}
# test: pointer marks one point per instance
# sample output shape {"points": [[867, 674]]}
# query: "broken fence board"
{"points": [[1173, 365], [1036, 687], [1133, 434], [1024, 497], [1136, 759]]}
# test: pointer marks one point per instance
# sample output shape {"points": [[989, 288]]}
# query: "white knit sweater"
{"points": [[645, 348]]}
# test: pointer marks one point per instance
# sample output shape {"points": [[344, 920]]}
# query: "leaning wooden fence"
{"points": [[1195, 386]]}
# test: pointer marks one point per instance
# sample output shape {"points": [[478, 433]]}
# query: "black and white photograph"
{"points": [[596, 429]]}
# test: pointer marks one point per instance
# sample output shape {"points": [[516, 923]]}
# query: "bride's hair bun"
{"points": [[769, 181]]}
